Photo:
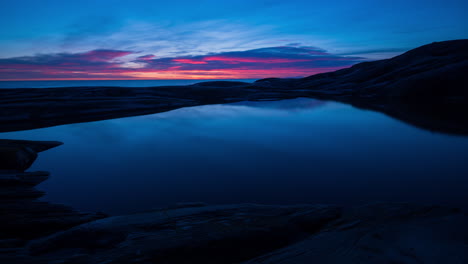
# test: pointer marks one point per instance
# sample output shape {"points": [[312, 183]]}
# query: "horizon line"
{"points": [[81, 79]]}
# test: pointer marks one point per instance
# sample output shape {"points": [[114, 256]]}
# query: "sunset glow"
{"points": [[207, 39], [120, 65]]}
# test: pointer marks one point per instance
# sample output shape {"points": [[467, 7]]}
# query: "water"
{"points": [[285, 152], [121, 83]]}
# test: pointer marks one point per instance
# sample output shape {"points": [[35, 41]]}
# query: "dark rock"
{"points": [[209, 234], [22, 217], [23, 178], [220, 84], [19, 192], [26, 219], [376, 233], [19, 155], [383, 233], [37, 146], [14, 158]]}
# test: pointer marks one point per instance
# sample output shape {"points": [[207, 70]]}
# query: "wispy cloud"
{"points": [[281, 61], [162, 38]]}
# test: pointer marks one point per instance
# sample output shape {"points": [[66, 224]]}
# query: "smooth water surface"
{"points": [[292, 151]]}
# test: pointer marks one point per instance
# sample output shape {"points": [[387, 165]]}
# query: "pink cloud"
{"points": [[101, 64], [189, 61], [147, 57], [235, 60]]}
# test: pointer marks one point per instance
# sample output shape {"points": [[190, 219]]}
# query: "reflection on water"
{"points": [[293, 151]]}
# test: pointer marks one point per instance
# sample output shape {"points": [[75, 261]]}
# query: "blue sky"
{"points": [[180, 29]]}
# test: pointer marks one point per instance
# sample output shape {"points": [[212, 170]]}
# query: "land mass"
{"points": [[426, 86], [250, 233]]}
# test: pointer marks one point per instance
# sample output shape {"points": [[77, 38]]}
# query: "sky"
{"points": [[205, 39]]}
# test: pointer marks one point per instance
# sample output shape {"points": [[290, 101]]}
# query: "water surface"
{"points": [[284, 152]]}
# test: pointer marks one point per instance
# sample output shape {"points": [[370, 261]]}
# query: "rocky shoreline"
{"points": [[32, 231], [249, 233], [23, 217], [426, 87]]}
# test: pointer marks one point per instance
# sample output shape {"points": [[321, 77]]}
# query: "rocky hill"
{"points": [[427, 87]]}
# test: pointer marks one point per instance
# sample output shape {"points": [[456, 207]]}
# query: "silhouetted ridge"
{"points": [[426, 86], [429, 72]]}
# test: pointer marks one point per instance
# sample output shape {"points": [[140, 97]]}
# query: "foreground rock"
{"points": [[383, 233], [22, 217], [427, 87], [378, 233], [19, 155], [212, 234]]}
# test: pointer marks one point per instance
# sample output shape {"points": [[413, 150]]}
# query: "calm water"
{"points": [[293, 151], [127, 83]]}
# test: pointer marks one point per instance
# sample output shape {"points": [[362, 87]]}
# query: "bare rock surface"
{"points": [[383, 233], [208, 234], [249, 233]]}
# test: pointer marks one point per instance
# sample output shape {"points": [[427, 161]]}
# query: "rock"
{"points": [[23, 178], [19, 192], [425, 73], [26, 219], [383, 233], [10, 243], [209, 234], [19, 155], [36, 146], [22, 217], [247, 233], [13, 158], [221, 84]]}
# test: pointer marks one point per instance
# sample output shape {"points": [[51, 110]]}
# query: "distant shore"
{"points": [[425, 87], [6, 84]]}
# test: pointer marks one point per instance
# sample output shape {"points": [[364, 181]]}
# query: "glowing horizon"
{"points": [[283, 61], [208, 39]]}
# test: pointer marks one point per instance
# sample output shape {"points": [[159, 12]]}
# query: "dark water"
{"points": [[293, 151], [122, 83]]}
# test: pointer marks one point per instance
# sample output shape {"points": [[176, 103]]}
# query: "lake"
{"points": [[282, 152]]}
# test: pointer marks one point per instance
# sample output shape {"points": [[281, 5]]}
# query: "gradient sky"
{"points": [[205, 39]]}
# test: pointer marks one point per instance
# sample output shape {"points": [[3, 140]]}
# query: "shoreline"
{"points": [[40, 232], [251, 233], [425, 87]]}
